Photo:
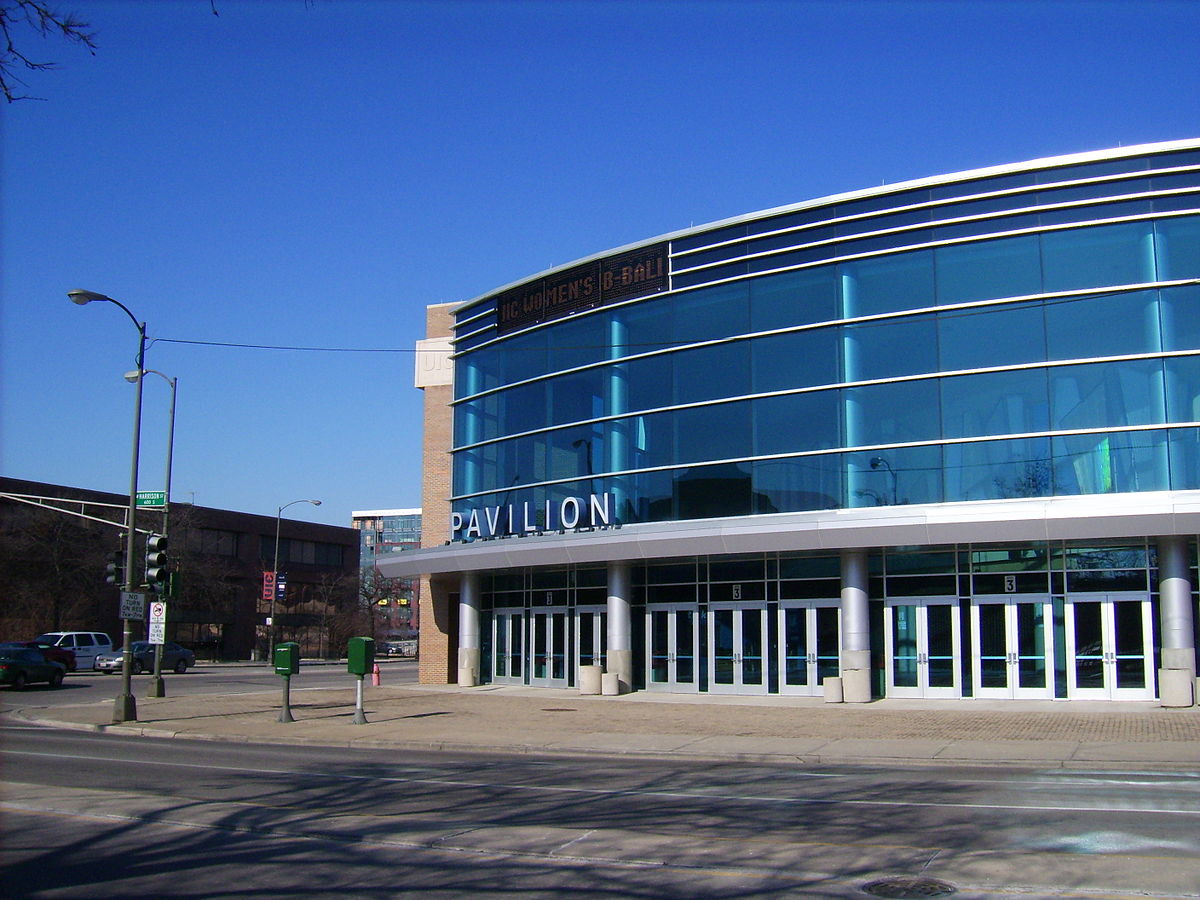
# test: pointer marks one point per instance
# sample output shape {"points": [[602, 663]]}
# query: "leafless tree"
{"points": [[40, 18]]}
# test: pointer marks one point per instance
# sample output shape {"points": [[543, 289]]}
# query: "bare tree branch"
{"points": [[40, 17]]}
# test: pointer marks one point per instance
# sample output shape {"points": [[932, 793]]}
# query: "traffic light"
{"points": [[156, 562], [114, 572]]}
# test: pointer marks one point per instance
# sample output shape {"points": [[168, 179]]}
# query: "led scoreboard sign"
{"points": [[621, 277]]}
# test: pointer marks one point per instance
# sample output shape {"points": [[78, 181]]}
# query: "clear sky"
{"points": [[315, 174]]}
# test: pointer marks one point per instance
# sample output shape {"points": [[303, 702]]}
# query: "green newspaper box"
{"points": [[360, 655], [287, 658]]}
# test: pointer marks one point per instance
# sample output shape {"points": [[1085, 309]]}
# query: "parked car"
{"points": [[57, 654], [20, 666], [174, 658], [86, 645]]}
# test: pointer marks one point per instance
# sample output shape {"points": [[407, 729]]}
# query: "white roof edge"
{"points": [[927, 181], [985, 521], [363, 513]]}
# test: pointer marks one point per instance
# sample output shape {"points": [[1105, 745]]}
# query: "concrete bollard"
{"points": [[610, 684], [1175, 687], [856, 685], [833, 689], [590, 679]]}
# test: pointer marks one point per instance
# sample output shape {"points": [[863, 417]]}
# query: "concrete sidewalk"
{"points": [[1042, 734]]}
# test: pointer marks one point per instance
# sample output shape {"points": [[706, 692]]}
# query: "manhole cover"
{"points": [[903, 888]]}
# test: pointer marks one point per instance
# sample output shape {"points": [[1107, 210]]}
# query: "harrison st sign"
{"points": [[571, 513]]}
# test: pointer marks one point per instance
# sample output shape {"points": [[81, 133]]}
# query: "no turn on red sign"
{"points": [[158, 613]]}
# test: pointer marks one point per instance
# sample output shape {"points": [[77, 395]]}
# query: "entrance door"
{"points": [[672, 635], [1014, 641], [809, 645], [1110, 647], [591, 637], [923, 647], [548, 647], [737, 643], [508, 646]]}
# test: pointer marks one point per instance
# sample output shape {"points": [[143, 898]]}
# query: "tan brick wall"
{"points": [[439, 629]]}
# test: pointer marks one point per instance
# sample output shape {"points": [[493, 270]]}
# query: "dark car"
{"points": [[20, 666], [57, 654], [174, 658]]}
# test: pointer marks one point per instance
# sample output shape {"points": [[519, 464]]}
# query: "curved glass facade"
{"points": [[1033, 333]]}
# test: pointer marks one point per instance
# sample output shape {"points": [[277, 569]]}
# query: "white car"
{"points": [[86, 644]]}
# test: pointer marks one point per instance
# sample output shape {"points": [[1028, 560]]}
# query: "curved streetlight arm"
{"points": [[275, 586]]}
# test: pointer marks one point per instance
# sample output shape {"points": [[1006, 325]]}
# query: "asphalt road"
{"points": [[89, 687], [109, 815]]}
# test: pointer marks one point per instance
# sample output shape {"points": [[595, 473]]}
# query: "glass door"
{"points": [[591, 637], [922, 647], [672, 636], [548, 647], [1110, 647], [809, 645], [507, 650], [1013, 637], [737, 641]]}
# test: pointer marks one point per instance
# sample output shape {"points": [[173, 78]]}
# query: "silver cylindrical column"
{"points": [[620, 624], [1175, 605], [856, 628], [468, 630]]}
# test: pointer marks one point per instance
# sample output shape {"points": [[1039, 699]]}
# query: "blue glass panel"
{"points": [[649, 382], [892, 413], [570, 451], [989, 270], [640, 327], [712, 313], [704, 257], [713, 372], [1093, 169], [1183, 389], [792, 220], [1109, 325], [653, 497], [574, 398], [995, 403], [1178, 247], [1110, 463], [792, 258], [882, 202], [523, 408], [578, 341], [478, 371], [983, 185], [1107, 395], [721, 431], [704, 276], [790, 485], [691, 242], [887, 284], [1097, 256], [795, 359], [706, 492], [894, 477], [796, 422], [792, 239], [1177, 202], [890, 348], [1094, 212], [1000, 336], [793, 298], [1092, 191], [1185, 459], [1179, 312], [997, 225], [524, 356], [999, 470]]}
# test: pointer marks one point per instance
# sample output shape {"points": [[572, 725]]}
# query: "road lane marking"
{"points": [[627, 792]]}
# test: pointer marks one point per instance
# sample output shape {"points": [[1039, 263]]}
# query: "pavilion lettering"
{"points": [[568, 514]]}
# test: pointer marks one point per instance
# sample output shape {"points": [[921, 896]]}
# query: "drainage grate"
{"points": [[905, 888]]}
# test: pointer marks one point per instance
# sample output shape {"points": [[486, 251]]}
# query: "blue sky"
{"points": [[316, 174]]}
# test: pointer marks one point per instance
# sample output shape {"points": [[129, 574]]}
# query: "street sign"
{"points": [[158, 613], [158, 633], [281, 587], [133, 605], [151, 498]]}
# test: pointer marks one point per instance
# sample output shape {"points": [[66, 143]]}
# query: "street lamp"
{"points": [[275, 587], [878, 462], [124, 707], [157, 687]]}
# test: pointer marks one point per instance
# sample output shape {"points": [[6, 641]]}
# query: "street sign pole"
{"points": [[158, 635]]}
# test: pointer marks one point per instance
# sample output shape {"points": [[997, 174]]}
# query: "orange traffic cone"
{"points": [[375, 675]]}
